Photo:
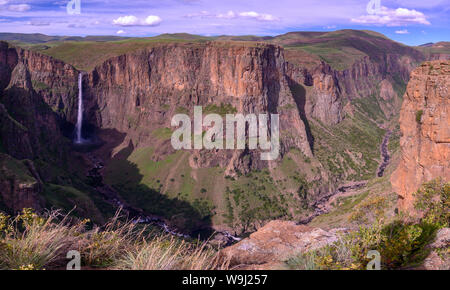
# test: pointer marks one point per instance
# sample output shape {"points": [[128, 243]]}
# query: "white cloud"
{"points": [[403, 31], [259, 16], [19, 7], [201, 14], [132, 20], [232, 15], [393, 17], [126, 20], [153, 20], [229, 15], [3, 2], [120, 32]]}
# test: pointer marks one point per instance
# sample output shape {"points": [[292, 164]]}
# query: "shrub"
{"points": [[419, 116], [400, 245], [33, 242], [405, 244], [433, 200], [103, 247], [370, 210]]}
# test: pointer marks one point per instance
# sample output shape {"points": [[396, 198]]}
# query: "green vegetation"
{"points": [[70, 199], [435, 49], [338, 56], [163, 133], [433, 200], [86, 55], [400, 243], [371, 107], [340, 49], [182, 110], [394, 141], [222, 110], [33, 242], [11, 168], [163, 187], [419, 116], [352, 147], [40, 85], [255, 198]]}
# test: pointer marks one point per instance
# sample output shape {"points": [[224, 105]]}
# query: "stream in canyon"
{"points": [[137, 215], [322, 206], [385, 157]]}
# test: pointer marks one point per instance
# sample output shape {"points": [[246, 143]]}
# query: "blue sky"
{"points": [[409, 21]]}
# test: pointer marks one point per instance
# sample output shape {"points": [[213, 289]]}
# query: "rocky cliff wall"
{"points": [[139, 92], [328, 90], [29, 85], [33, 103], [424, 123]]}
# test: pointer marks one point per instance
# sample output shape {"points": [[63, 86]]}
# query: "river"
{"points": [[322, 206]]}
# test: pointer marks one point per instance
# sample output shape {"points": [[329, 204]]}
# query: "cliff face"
{"points": [[20, 185], [136, 95], [32, 102], [139, 92], [31, 91], [323, 101], [424, 122], [328, 89]]}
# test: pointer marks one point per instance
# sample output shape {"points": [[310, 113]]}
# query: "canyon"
{"points": [[333, 120], [424, 122], [424, 156]]}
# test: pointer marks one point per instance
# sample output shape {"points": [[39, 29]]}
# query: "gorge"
{"points": [[329, 116]]}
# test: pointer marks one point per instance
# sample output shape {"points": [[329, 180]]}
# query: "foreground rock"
{"points": [[276, 242], [439, 258], [424, 119]]}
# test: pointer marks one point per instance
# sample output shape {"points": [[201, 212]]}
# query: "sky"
{"points": [[412, 22]]}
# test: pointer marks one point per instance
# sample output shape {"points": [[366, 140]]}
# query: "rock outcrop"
{"points": [[20, 185], [276, 242], [424, 123], [139, 92], [439, 258], [327, 89], [35, 96], [31, 88]]}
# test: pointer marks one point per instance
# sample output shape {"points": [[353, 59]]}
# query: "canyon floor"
{"points": [[338, 94]]}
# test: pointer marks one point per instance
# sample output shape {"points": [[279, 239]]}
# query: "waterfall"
{"points": [[79, 126]]}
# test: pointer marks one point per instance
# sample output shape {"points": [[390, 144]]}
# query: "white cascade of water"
{"points": [[79, 126]]}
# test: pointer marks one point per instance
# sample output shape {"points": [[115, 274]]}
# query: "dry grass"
{"points": [[29, 241], [167, 253]]}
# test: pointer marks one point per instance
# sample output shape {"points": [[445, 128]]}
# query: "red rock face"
{"points": [[139, 92], [425, 125], [330, 89]]}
